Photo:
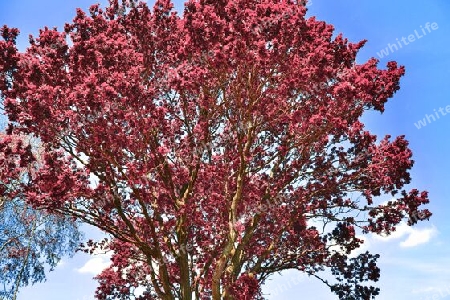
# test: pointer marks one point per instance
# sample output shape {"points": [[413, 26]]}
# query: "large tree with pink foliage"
{"points": [[208, 146]]}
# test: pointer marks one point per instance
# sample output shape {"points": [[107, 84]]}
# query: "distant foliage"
{"points": [[31, 243]]}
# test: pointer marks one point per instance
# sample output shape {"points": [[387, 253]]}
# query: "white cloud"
{"points": [[400, 231], [94, 265], [417, 237], [414, 237]]}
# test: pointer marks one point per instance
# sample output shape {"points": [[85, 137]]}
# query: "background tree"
{"points": [[209, 146], [30, 239]]}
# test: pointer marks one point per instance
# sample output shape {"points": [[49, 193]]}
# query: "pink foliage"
{"points": [[205, 144]]}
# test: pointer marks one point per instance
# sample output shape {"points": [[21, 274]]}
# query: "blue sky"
{"points": [[415, 262]]}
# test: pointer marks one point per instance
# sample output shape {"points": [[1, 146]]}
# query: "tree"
{"points": [[30, 239], [209, 145]]}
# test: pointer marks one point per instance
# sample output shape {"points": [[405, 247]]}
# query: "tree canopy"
{"points": [[209, 146]]}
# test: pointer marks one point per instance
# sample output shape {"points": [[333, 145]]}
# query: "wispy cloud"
{"points": [[94, 265], [414, 237], [418, 237]]}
